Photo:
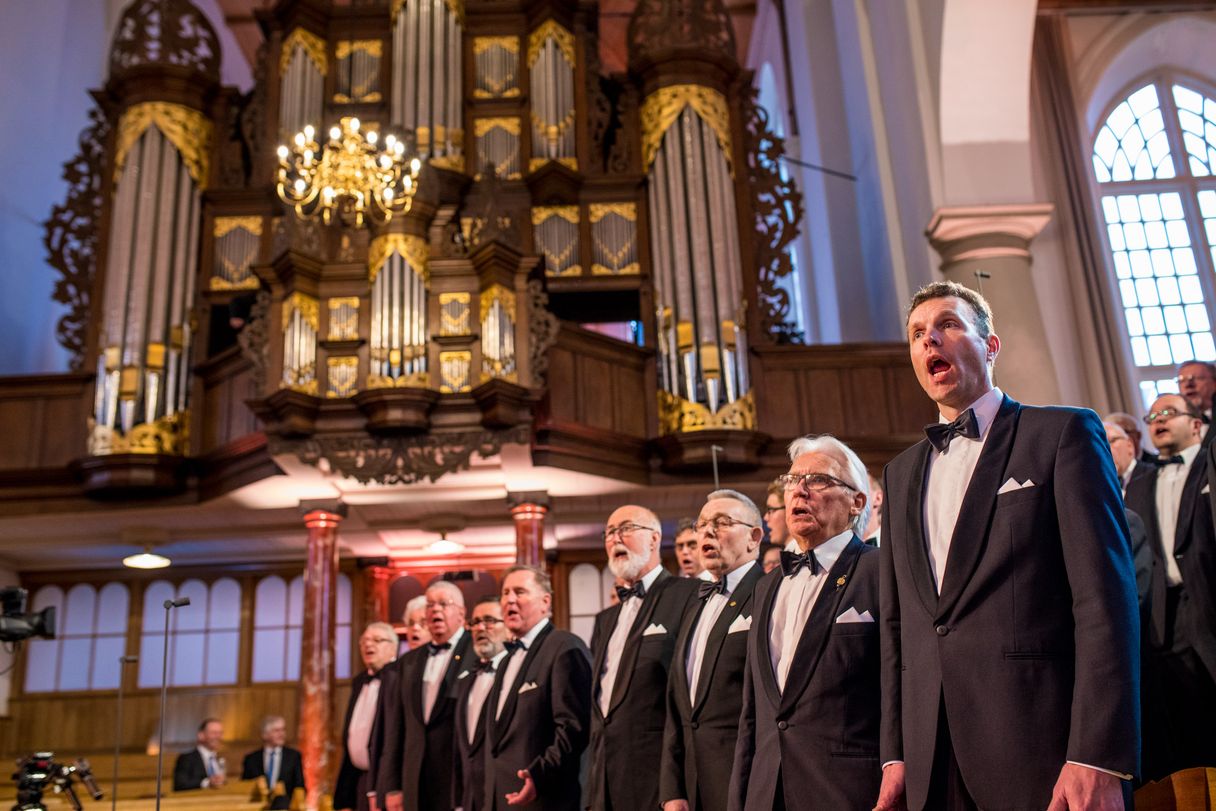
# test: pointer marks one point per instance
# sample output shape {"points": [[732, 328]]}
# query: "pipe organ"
{"points": [[632, 200]]}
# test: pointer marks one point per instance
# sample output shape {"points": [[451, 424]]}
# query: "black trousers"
{"points": [[947, 791]]}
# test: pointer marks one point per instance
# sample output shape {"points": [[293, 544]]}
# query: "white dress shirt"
{"points": [[483, 682], [949, 475], [515, 663], [1171, 479], [796, 597], [706, 576], [212, 762], [630, 607], [272, 764], [359, 734], [705, 624], [432, 675]]}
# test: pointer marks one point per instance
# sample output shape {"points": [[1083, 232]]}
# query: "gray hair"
{"points": [[416, 604], [753, 512], [539, 575], [387, 630], [855, 473], [269, 721], [1116, 428], [451, 588]]}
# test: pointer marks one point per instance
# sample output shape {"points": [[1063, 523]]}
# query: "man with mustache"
{"points": [[705, 688], [1180, 630], [1009, 616], [472, 688], [536, 724], [415, 771], [377, 647], [632, 646]]}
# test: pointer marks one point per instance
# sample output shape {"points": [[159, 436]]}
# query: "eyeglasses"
{"points": [[627, 526], [441, 604], [1192, 378], [813, 482], [720, 523], [777, 509], [1163, 414], [379, 640], [485, 622]]}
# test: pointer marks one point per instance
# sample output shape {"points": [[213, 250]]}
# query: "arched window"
{"points": [[204, 637], [1154, 158], [278, 620], [590, 590], [91, 638]]}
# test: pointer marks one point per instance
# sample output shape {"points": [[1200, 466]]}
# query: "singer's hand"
{"points": [[217, 779], [527, 793]]}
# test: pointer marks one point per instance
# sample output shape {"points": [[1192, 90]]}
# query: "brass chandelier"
{"points": [[349, 177]]}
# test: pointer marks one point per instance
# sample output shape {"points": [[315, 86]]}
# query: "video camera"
{"points": [[16, 625], [38, 772]]}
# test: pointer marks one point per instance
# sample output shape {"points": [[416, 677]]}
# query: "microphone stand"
{"points": [[122, 672], [164, 689]]}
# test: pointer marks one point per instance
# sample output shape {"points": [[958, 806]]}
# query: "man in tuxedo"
{"points": [[417, 628], [705, 687], [276, 761], [415, 771], [631, 646], [808, 730], [1123, 451], [687, 556], [202, 766], [1180, 630], [1197, 383], [1009, 617], [537, 712], [356, 778], [873, 532], [472, 689]]}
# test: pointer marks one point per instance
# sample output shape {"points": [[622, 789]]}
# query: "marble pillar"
{"points": [[317, 718], [528, 511], [987, 248], [375, 590]]}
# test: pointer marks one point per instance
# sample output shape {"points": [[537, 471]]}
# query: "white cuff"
{"points": [[1111, 772], [891, 763]]}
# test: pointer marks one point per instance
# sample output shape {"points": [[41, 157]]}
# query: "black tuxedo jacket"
{"points": [[291, 770], [346, 785], [189, 771], [1032, 643], [701, 731], [1195, 553], [627, 744], [417, 755], [819, 737], [543, 726], [469, 779]]}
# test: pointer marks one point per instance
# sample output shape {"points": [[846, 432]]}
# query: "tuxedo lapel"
{"points": [[456, 665], [815, 634], [629, 656], [679, 662], [508, 710], [411, 683], [762, 625], [916, 550], [974, 517], [1195, 479], [740, 598]]}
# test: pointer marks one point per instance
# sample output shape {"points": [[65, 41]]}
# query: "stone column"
{"points": [[529, 510], [317, 719], [987, 248], [375, 589]]}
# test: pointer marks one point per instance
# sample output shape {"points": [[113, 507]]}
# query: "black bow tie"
{"points": [[638, 590], [434, 647], [940, 433], [513, 645], [791, 562], [709, 588], [483, 666], [1171, 460]]}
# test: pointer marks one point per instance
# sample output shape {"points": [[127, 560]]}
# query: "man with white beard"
{"points": [[632, 646]]}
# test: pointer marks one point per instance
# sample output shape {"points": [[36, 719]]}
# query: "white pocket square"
{"points": [[526, 686], [1012, 484], [741, 623], [655, 628], [852, 616], [1207, 488], [463, 674]]}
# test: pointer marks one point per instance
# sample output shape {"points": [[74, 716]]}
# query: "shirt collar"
{"points": [[269, 749], [985, 408], [1188, 455], [498, 657], [733, 578], [205, 752], [530, 637], [455, 640], [706, 576], [827, 552], [647, 580]]}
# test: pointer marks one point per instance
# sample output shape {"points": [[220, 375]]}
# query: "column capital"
{"points": [[971, 233], [535, 499], [323, 512]]}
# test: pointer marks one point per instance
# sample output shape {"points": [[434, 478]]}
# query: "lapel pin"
{"points": [[840, 580], [733, 604], [458, 657]]}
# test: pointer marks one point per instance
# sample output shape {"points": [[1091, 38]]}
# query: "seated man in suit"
{"points": [[808, 732], [705, 685], [538, 710], [275, 761], [473, 688], [202, 766]]}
